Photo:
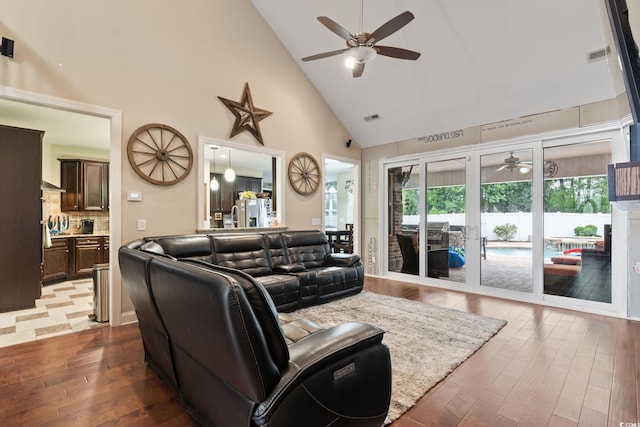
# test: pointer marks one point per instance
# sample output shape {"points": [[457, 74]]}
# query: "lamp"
{"points": [[229, 174], [214, 184], [359, 54]]}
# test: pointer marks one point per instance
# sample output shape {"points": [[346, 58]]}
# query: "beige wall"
{"points": [[166, 61]]}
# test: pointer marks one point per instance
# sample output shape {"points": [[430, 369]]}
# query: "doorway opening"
{"points": [[29, 110]]}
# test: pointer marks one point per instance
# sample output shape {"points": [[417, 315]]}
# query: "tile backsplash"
{"points": [[51, 207]]}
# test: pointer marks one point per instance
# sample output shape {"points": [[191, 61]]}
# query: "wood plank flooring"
{"points": [[547, 367]]}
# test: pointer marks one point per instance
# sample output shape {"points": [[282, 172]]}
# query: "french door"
{"points": [[528, 221], [427, 234]]}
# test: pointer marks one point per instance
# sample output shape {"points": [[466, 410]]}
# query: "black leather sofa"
{"points": [[213, 334], [297, 268]]}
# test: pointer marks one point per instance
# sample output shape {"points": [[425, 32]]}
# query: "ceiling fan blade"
{"points": [[525, 165], [397, 52], [501, 168], [336, 28], [391, 26], [324, 55], [358, 69]]}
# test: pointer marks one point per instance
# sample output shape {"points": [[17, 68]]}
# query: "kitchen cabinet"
{"points": [[86, 183], [20, 218], [227, 194], [73, 257], [55, 265], [244, 183], [87, 251]]}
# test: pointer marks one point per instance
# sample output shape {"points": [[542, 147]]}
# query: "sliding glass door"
{"points": [[529, 221], [506, 220], [403, 204], [446, 220], [577, 222]]}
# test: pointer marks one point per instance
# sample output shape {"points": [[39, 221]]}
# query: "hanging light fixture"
{"points": [[229, 174], [214, 184]]}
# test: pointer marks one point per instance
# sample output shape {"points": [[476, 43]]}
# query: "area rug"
{"points": [[426, 342]]}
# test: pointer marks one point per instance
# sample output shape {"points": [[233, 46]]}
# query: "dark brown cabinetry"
{"points": [[227, 194], [87, 185], [20, 217], [73, 257], [55, 265], [87, 252]]}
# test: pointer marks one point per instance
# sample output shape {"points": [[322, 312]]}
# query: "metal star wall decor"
{"points": [[247, 115]]}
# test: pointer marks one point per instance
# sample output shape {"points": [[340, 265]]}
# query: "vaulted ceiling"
{"points": [[481, 61]]}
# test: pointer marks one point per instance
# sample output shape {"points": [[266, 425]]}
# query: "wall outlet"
{"points": [[316, 221], [142, 224]]}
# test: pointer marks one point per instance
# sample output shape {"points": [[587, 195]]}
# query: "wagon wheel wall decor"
{"points": [[160, 154], [304, 174]]}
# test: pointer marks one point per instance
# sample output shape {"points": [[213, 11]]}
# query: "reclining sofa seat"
{"points": [[297, 267], [327, 276], [250, 254], [232, 363]]}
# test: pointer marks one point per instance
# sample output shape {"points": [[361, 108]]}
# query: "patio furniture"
{"points": [[437, 259], [409, 253]]}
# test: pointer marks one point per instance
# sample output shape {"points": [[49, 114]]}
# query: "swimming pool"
{"points": [[521, 252]]}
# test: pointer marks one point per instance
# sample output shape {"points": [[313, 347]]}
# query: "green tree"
{"points": [[506, 197], [445, 200], [410, 201], [579, 194]]}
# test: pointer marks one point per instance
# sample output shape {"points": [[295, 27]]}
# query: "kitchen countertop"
{"points": [[67, 235], [238, 230]]}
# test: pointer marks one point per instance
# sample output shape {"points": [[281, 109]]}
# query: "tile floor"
{"points": [[63, 308]]}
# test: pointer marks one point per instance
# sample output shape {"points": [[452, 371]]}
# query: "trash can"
{"points": [[100, 293]]}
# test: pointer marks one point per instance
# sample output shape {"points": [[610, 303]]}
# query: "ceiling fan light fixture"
{"points": [[359, 54]]}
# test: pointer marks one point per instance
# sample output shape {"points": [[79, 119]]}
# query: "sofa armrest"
{"points": [[289, 268], [345, 370], [341, 260]]}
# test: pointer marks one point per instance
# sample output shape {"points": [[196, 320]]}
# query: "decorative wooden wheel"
{"points": [[160, 154], [304, 174]]}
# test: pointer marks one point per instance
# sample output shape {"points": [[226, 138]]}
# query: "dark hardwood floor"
{"points": [[546, 367]]}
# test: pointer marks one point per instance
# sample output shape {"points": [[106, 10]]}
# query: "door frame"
{"points": [[116, 317]]}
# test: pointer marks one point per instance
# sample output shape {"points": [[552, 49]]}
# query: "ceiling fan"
{"points": [[362, 45], [511, 163]]}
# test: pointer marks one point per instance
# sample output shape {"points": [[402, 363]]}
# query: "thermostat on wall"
{"points": [[134, 196]]}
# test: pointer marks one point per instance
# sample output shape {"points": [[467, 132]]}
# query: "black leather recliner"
{"points": [[134, 267], [231, 360]]}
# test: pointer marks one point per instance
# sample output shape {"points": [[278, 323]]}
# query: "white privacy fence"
{"points": [[556, 224]]}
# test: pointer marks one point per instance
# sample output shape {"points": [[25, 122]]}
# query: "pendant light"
{"points": [[229, 174], [214, 184]]}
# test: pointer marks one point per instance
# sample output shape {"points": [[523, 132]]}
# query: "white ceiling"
{"points": [[61, 127], [481, 62]]}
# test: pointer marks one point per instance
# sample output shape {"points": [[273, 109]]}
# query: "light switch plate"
{"points": [[142, 224]]}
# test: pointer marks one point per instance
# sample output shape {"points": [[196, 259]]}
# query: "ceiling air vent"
{"points": [[597, 55], [372, 117]]}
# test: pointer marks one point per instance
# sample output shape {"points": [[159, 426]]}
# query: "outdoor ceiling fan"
{"points": [[362, 45], [511, 163]]}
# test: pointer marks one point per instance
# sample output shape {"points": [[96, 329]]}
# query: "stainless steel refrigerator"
{"points": [[252, 213]]}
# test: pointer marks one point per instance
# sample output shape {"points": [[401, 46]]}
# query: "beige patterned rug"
{"points": [[426, 342]]}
